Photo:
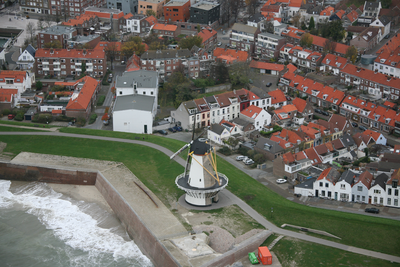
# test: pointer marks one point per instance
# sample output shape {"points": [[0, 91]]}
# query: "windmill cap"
{"points": [[200, 146]]}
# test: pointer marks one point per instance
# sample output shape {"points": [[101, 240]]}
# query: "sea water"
{"points": [[40, 227]]}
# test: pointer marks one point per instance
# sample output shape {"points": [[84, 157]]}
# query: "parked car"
{"points": [[178, 128], [172, 130], [317, 110], [11, 116], [110, 75], [372, 210], [219, 44], [326, 113], [268, 84], [109, 80], [240, 158], [354, 124], [281, 181], [362, 128], [248, 162], [250, 81], [288, 98], [163, 132]]}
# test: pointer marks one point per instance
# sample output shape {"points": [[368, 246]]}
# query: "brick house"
{"points": [[243, 37], [56, 32], [147, 23], [268, 45], [84, 24], [84, 96], [108, 16], [367, 39], [155, 5], [177, 11], [209, 38], [65, 62], [165, 30], [270, 149]]}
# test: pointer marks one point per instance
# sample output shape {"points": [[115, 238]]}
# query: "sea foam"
{"points": [[68, 222]]}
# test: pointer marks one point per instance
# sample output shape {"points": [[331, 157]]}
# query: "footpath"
{"points": [[234, 199]]}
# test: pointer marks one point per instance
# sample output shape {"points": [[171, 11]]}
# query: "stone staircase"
{"points": [[275, 241]]}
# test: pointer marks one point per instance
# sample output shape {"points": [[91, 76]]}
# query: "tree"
{"points": [[198, 28], [329, 46], [39, 85], [306, 40], [156, 45], [269, 26], [333, 29], [296, 20], [111, 51], [312, 24], [150, 12], [221, 73], [40, 24], [252, 6], [53, 44], [48, 21], [83, 72], [30, 28], [239, 73], [130, 47], [352, 53], [190, 41]]}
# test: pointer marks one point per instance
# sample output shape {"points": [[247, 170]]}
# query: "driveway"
{"points": [[260, 81]]}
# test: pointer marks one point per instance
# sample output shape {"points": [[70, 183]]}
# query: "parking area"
{"points": [[261, 80], [18, 22]]}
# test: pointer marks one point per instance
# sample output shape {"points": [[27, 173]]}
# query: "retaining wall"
{"points": [[138, 231]]}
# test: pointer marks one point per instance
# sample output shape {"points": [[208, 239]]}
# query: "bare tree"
{"points": [[252, 6], [48, 21], [40, 24], [30, 28], [269, 26], [296, 20], [111, 52]]}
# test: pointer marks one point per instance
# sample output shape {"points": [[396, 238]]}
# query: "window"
{"points": [[321, 184], [396, 192], [326, 185], [363, 198], [359, 188], [396, 202], [389, 201], [389, 191], [342, 186]]}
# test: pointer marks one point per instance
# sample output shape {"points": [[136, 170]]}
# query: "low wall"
{"points": [[138, 231], [239, 251], [9, 171], [217, 88]]}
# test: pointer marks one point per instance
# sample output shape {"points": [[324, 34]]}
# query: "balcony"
{"points": [[46, 68], [89, 64], [76, 69], [78, 64], [57, 69], [56, 62], [357, 82], [45, 63]]}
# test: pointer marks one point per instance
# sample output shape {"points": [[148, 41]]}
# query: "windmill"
{"points": [[201, 181]]}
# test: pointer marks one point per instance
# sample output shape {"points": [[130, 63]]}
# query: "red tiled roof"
{"points": [[389, 104], [266, 66], [359, 103], [338, 121], [389, 58], [313, 156], [324, 174], [231, 54], [270, 8], [366, 178], [334, 61], [311, 132], [396, 149], [128, 16], [373, 134], [56, 111], [340, 13], [72, 53], [79, 20], [291, 68], [6, 94], [105, 15], [384, 115], [352, 16], [391, 44], [151, 20], [206, 34], [289, 135], [285, 109], [295, 3], [300, 104], [281, 142], [328, 11], [277, 96], [17, 75], [252, 111], [82, 101], [372, 76], [165, 27], [288, 158]]}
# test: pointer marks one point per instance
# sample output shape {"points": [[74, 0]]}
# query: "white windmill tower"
{"points": [[201, 181]]}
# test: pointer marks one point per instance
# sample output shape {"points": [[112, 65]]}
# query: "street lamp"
{"points": [[272, 211]]}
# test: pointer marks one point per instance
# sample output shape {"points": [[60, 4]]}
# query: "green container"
{"points": [[253, 258]]}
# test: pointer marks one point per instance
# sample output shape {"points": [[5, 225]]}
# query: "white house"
{"points": [[343, 188], [361, 187], [218, 133], [392, 190], [256, 115], [362, 142], [133, 23], [382, 23], [139, 82], [306, 188], [2, 56], [27, 58], [377, 192], [278, 98], [324, 186], [378, 138], [134, 114]]}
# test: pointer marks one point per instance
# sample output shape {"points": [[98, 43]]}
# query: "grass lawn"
{"points": [[357, 3], [158, 173], [293, 252], [16, 129]]}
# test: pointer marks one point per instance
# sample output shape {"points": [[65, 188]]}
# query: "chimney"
{"points": [[84, 52]]}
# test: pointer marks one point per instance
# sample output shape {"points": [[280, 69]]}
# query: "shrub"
{"points": [[64, 118], [250, 153], [92, 118], [42, 118], [225, 150], [19, 117], [6, 111], [39, 85], [81, 121], [101, 100], [259, 158]]}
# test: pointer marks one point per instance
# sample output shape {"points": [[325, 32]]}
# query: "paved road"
{"points": [[234, 199]]}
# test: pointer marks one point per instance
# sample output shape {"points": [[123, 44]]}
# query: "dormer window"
{"points": [[383, 60]]}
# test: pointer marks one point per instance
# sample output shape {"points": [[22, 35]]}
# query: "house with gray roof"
{"points": [[257, 20], [245, 126], [56, 33], [344, 185], [243, 37], [383, 23], [27, 58], [360, 189], [218, 133], [270, 149], [306, 188], [184, 115], [377, 193], [134, 114]]}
